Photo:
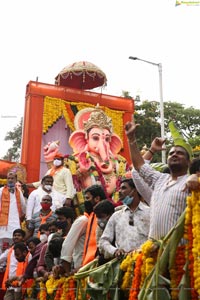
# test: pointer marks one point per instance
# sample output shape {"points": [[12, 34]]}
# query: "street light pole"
{"points": [[159, 65]]}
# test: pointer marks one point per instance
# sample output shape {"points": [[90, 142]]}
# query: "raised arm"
{"points": [[157, 145], [136, 157]]}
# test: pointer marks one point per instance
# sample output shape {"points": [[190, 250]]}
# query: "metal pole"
{"points": [[161, 100], [162, 111]]}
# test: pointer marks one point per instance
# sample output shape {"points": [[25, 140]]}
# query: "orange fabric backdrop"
{"points": [[33, 117]]}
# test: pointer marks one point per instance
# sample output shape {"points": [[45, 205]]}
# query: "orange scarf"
{"points": [[54, 169], [43, 220], [5, 205], [90, 245], [21, 266]]}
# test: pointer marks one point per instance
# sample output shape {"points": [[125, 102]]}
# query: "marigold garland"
{"points": [[55, 108], [127, 266], [135, 287], [177, 271], [42, 293], [192, 235], [3, 181], [120, 167], [195, 203], [149, 259]]}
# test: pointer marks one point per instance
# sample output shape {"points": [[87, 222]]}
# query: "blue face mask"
{"points": [[127, 200], [11, 185], [102, 223]]}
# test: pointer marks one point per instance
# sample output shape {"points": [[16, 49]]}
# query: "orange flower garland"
{"points": [[135, 287], [42, 293], [188, 251], [177, 271], [68, 289]]}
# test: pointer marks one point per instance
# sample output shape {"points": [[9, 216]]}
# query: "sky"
{"points": [[39, 38]]}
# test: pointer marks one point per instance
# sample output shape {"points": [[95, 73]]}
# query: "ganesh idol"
{"points": [[95, 159]]}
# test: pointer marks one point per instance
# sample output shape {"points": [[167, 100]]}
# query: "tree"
{"points": [[13, 153], [147, 114]]}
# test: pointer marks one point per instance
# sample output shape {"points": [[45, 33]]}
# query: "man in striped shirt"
{"points": [[168, 199]]}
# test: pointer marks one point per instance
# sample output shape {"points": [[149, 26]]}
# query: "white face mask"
{"points": [[43, 238], [57, 162], [48, 187]]}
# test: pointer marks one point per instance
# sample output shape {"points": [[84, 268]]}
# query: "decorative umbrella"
{"points": [[81, 75]]}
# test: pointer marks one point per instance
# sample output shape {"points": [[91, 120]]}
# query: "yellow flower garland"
{"points": [[3, 181], [193, 217], [195, 201], [149, 259], [55, 108], [52, 284], [127, 266], [42, 293]]}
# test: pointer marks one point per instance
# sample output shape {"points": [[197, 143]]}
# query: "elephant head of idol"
{"points": [[94, 140]]}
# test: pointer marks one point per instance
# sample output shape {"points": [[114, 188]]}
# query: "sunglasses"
{"points": [[131, 220]]}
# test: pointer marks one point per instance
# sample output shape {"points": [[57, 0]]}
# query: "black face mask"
{"points": [[88, 207], [21, 259], [62, 224]]}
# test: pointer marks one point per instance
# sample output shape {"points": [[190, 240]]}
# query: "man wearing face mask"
{"points": [[46, 188], [62, 179], [44, 215], [93, 195], [128, 226], [74, 249], [103, 211], [65, 219], [12, 209]]}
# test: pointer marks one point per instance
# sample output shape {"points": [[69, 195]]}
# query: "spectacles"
{"points": [[131, 220]]}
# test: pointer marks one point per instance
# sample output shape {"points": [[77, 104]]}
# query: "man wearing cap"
{"points": [[168, 199], [62, 178]]}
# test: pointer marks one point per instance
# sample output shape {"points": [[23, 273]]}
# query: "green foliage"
{"points": [[13, 153], [147, 115]]}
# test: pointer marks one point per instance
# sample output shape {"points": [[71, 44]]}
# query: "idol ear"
{"points": [[115, 144], [78, 141]]}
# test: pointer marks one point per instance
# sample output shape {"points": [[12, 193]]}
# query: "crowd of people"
{"points": [[40, 233]]}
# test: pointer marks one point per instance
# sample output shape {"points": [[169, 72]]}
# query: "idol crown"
{"points": [[98, 119]]}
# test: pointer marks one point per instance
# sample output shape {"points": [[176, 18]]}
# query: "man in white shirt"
{"points": [[63, 182], [128, 227], [46, 188]]}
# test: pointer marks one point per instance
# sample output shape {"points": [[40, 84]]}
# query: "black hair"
{"points": [[34, 240], [21, 246], [65, 211], [129, 181], [195, 166], [48, 196], [13, 173], [25, 189], [52, 223], [96, 190], [44, 226], [20, 231], [46, 177], [55, 246], [104, 207]]}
